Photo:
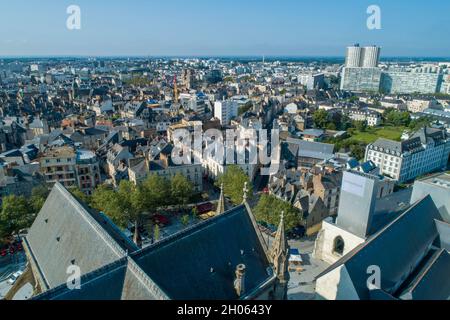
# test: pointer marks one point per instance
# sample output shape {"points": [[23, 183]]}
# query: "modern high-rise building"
{"points": [[393, 81], [361, 79], [353, 57], [362, 57], [370, 57], [361, 73]]}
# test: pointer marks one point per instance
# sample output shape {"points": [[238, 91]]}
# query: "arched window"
{"points": [[338, 246]]}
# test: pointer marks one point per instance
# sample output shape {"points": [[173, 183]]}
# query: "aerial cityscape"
{"points": [[251, 173]]}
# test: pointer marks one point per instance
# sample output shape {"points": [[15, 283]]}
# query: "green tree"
{"points": [[130, 201], [154, 192], [38, 196], [194, 212], [185, 220], [243, 109], [320, 118], [358, 151], [181, 189], [397, 118], [80, 195], [269, 210], [360, 125], [419, 123], [16, 214], [156, 233], [105, 199], [234, 180]]}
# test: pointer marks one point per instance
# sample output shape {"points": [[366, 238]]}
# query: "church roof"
{"points": [[120, 280], [197, 263], [396, 249], [66, 232], [430, 284], [200, 263]]}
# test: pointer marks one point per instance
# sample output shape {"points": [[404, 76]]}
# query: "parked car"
{"points": [[19, 246], [3, 252], [160, 220], [14, 277]]}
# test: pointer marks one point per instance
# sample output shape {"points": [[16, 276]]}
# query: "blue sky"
{"points": [[223, 27]]}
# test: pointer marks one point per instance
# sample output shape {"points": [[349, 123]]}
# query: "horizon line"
{"points": [[212, 56]]}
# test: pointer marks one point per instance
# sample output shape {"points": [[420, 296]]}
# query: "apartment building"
{"points": [[71, 168], [372, 118], [426, 151], [141, 168]]}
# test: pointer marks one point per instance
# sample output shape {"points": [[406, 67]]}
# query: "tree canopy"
{"points": [[181, 189], [16, 215], [397, 118], [233, 181], [269, 210], [130, 202]]}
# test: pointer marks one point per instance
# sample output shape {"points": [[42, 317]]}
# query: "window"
{"points": [[338, 246]]}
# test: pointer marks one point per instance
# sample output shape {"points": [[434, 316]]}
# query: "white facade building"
{"points": [[426, 151], [225, 111]]}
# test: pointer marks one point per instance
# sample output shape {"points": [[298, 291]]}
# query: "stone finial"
{"points": [[239, 282], [221, 204]]}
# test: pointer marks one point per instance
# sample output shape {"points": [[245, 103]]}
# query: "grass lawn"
{"points": [[371, 135]]}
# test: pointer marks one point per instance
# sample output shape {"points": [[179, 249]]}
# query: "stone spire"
{"points": [[245, 193], [221, 204], [279, 252]]}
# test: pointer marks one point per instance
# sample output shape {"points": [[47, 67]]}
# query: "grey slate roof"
{"points": [[197, 263], [120, 280], [200, 263], [314, 150], [430, 284], [68, 232], [396, 147]]}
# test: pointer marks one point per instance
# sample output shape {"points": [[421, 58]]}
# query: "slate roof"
{"points": [[197, 263], [120, 280], [396, 249], [314, 150], [200, 263], [430, 284], [66, 230], [397, 148]]}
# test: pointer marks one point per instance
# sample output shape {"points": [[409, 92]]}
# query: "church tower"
{"points": [[175, 89], [280, 255]]}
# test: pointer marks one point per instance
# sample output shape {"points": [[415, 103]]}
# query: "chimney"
{"points": [[239, 282]]}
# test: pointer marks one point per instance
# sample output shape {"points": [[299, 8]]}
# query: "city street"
{"points": [[9, 265]]}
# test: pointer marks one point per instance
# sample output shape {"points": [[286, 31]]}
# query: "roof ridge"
{"points": [[145, 279], [107, 238], [437, 255]]}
